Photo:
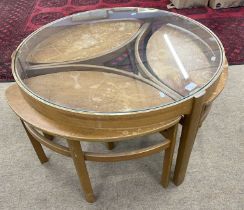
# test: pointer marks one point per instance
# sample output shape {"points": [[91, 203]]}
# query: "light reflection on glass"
{"points": [[176, 57]]}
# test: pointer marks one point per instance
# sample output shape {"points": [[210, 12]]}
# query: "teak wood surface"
{"points": [[79, 43]]}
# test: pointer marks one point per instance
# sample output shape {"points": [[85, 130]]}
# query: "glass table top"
{"points": [[118, 60]]}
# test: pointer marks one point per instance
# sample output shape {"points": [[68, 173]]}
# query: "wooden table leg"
{"points": [[80, 165], [168, 156], [36, 145], [187, 139]]}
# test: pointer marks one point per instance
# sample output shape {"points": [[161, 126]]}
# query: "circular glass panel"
{"points": [[118, 60]]}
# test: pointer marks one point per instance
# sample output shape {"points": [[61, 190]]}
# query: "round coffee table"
{"points": [[112, 74]]}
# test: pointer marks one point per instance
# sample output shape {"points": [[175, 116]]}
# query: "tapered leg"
{"points": [[80, 165], [168, 157], [187, 139], [110, 145], [36, 145]]}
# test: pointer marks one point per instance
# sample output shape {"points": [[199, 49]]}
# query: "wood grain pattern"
{"points": [[96, 91], [81, 42]]}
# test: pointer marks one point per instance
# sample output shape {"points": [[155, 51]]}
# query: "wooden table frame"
{"points": [[191, 122], [79, 156]]}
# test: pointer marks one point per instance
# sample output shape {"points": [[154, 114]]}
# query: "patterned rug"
{"points": [[19, 18]]}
